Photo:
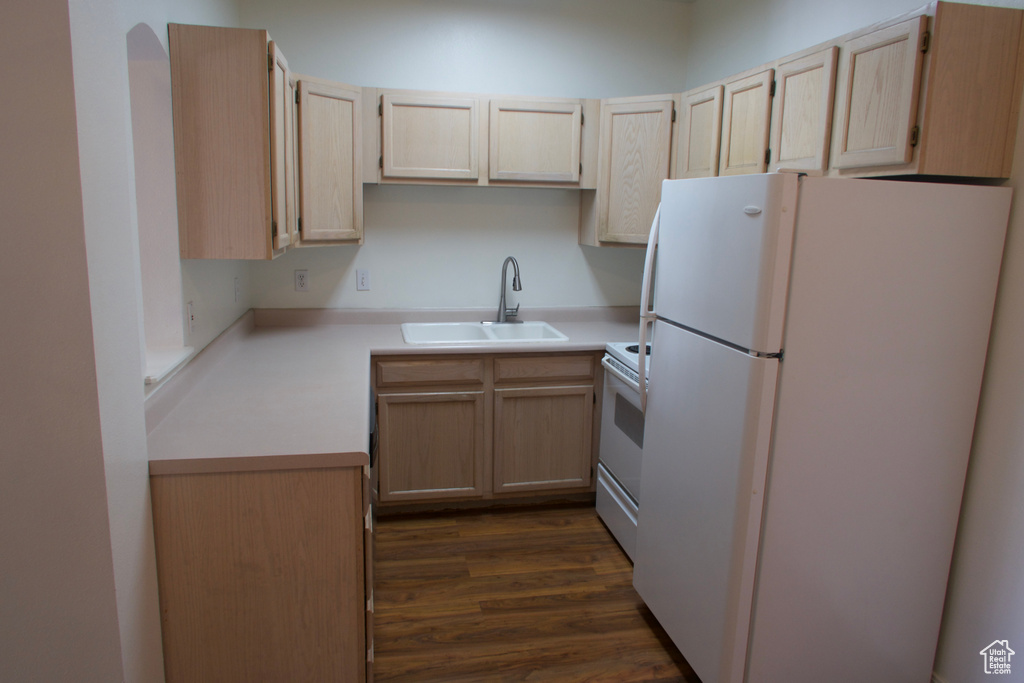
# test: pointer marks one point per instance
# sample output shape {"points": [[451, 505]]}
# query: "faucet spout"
{"points": [[503, 312]]}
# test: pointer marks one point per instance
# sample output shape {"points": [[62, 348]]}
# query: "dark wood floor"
{"points": [[512, 595]]}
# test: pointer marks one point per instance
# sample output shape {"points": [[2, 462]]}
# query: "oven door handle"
{"points": [[618, 373]]}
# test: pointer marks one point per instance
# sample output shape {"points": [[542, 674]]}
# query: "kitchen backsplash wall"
{"points": [[443, 247], [428, 247]]}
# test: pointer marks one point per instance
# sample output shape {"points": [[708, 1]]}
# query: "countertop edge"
{"points": [[257, 463]]}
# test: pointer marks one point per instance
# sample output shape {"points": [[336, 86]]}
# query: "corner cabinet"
{"points": [[231, 107], [330, 162], [263, 573], [931, 95], [635, 157], [485, 426]]}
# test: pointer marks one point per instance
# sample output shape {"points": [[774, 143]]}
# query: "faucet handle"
{"points": [[512, 312]]}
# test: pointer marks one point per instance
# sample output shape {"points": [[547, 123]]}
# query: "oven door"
{"points": [[622, 428]]}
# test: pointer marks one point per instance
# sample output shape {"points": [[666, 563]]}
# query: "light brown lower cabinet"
{"points": [[263, 575], [542, 438], [440, 439], [485, 425]]}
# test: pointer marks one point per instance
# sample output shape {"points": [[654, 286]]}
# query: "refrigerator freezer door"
{"points": [[706, 449], [724, 248]]}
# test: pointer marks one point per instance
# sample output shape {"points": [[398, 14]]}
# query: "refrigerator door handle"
{"points": [[647, 314]]}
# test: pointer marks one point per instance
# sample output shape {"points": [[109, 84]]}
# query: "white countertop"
{"points": [[282, 389]]}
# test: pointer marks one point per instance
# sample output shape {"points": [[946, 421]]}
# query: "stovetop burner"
{"points": [[635, 348]]}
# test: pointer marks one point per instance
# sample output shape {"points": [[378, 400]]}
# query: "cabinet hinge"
{"points": [[926, 41], [582, 118], [296, 96], [673, 114], [300, 223], [915, 132], [270, 63], [380, 109], [581, 168], [768, 156], [380, 161], [771, 91], [273, 228]]}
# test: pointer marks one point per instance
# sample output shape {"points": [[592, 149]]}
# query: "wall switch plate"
{"points": [[362, 280], [301, 280]]}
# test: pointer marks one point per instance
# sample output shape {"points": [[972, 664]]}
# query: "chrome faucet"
{"points": [[505, 313]]}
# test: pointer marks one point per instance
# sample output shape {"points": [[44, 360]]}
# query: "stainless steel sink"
{"points": [[480, 333]]}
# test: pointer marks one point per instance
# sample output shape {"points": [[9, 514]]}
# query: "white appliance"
{"points": [[818, 353], [622, 440]]}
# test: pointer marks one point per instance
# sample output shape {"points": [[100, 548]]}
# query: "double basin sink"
{"points": [[479, 333]]}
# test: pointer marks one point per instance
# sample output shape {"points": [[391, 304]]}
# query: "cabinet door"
{"points": [[802, 113], [880, 75], [745, 122], [535, 140], [431, 445], [636, 140], [330, 161], [282, 151], [700, 133], [542, 438], [222, 156], [430, 136]]}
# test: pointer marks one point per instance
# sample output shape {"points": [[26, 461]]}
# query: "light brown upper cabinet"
{"points": [[881, 76], [430, 135], [535, 140], [746, 116], [700, 133], [802, 112], [330, 162], [965, 60], [228, 172], [283, 151], [635, 156]]}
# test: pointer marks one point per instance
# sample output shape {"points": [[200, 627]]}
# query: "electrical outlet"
{"points": [[301, 280], [362, 280], [190, 316]]}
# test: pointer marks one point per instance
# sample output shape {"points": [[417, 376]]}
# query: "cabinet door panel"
{"points": [[745, 122], [430, 136], [330, 140], [880, 76], [700, 134], [282, 149], [535, 140], [636, 138], [802, 112], [431, 445], [542, 438]]}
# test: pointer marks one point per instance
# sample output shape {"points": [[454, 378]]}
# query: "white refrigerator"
{"points": [[818, 350]]}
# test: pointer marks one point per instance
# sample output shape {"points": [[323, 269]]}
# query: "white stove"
{"points": [[622, 440], [625, 357]]}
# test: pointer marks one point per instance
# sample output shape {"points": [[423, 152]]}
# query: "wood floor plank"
{"points": [[512, 595]]}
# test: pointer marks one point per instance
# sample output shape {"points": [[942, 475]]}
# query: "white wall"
{"points": [[99, 30], [58, 619], [985, 599], [443, 247]]}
